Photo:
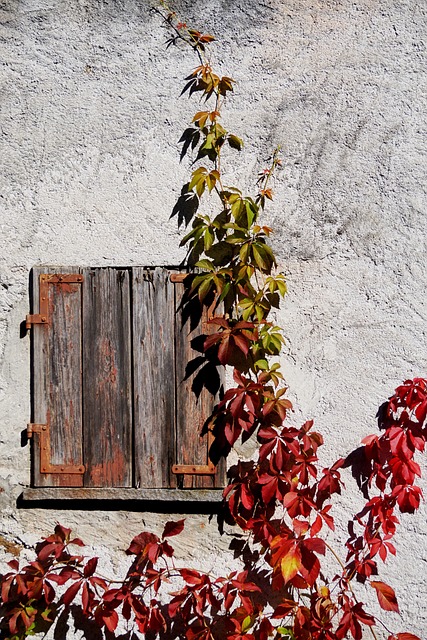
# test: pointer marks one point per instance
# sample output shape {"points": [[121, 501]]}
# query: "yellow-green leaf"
{"points": [[290, 564]]}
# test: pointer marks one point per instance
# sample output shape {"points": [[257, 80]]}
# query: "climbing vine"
{"points": [[282, 499]]}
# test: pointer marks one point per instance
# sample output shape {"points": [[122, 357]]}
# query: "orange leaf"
{"points": [[386, 596], [290, 564]]}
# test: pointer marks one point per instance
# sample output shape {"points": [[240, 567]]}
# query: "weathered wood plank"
{"points": [[57, 384], [122, 494], [154, 388], [191, 411], [107, 406]]}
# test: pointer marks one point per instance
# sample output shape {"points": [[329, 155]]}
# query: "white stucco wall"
{"points": [[89, 128]]}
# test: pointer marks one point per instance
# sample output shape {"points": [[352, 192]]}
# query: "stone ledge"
{"points": [[118, 494]]}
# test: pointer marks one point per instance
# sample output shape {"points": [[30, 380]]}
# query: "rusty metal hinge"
{"points": [[44, 280], [194, 469], [178, 277], [45, 465], [197, 469]]}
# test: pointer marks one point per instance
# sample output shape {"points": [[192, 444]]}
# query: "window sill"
{"points": [[122, 494]]}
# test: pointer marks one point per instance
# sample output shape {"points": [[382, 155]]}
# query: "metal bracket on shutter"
{"points": [[194, 469], [197, 469], [45, 465], [45, 278], [178, 277]]}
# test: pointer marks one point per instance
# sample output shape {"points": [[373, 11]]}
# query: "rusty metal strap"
{"points": [[45, 464], [44, 280]]}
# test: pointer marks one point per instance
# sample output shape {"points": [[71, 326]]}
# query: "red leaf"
{"points": [[71, 593], [49, 592], [406, 636], [241, 343], [64, 575], [78, 542], [386, 596], [156, 621], [246, 497], [173, 528], [86, 593], [316, 526], [140, 542], [166, 549], [47, 549], [315, 544], [284, 608], [62, 532], [190, 576], [110, 619], [90, 567], [153, 551]]}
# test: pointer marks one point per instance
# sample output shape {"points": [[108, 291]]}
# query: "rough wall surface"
{"points": [[89, 128]]}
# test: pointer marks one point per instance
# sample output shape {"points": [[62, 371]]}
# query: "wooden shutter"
{"points": [[107, 378], [192, 449], [111, 404], [57, 378], [154, 377]]}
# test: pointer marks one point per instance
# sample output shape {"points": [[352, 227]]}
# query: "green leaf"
{"points": [[259, 257], [211, 179], [225, 291], [260, 313], [208, 265], [235, 142], [198, 179], [236, 206], [244, 252], [204, 288], [261, 364], [251, 211], [281, 285], [208, 239], [246, 624]]}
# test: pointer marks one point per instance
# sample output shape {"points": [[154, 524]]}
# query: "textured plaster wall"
{"points": [[89, 128]]}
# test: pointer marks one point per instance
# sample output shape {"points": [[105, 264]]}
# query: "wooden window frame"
{"points": [[80, 317]]}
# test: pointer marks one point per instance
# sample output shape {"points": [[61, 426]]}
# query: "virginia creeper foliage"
{"points": [[282, 500]]}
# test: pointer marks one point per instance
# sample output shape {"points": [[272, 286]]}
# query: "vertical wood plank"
{"points": [[107, 383], [154, 388], [191, 412], [57, 383]]}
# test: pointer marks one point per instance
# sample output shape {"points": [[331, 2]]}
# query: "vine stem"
{"points": [[338, 559]]}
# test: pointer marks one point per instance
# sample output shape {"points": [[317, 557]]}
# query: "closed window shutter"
{"points": [[192, 448], [57, 379], [107, 378], [112, 406], [154, 377]]}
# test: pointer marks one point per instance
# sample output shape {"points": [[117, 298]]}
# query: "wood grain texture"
{"points": [[57, 378], [191, 411], [154, 388], [107, 406]]}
